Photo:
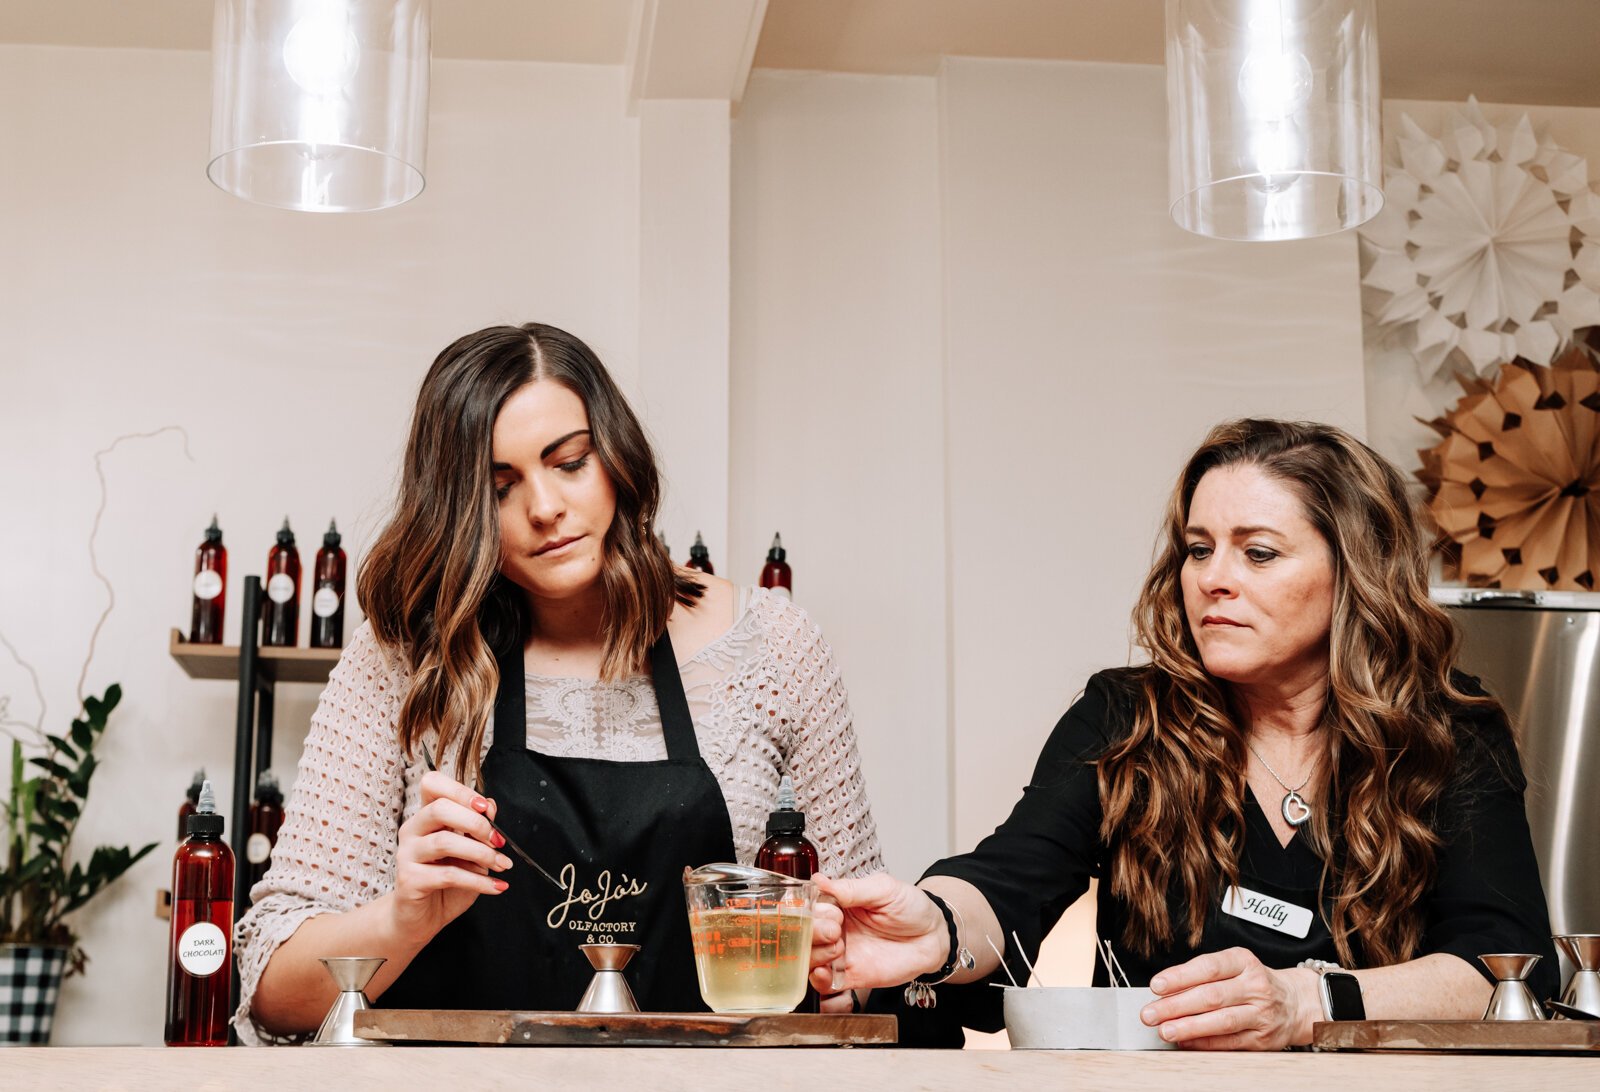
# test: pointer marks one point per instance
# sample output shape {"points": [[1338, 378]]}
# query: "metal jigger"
{"points": [[609, 991], [1512, 999], [351, 974], [1583, 992]]}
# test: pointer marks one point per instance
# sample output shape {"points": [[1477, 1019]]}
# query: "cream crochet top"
{"points": [[766, 699]]}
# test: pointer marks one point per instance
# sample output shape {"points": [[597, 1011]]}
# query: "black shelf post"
{"points": [[244, 739], [254, 685]]}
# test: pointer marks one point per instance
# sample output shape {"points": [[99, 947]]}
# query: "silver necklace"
{"points": [[1294, 807]]}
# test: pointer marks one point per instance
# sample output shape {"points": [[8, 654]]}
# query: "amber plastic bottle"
{"points": [[210, 588], [776, 574], [200, 950], [190, 799], [700, 557], [327, 596], [266, 816], [280, 607], [787, 850]]}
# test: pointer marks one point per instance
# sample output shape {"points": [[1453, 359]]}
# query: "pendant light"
{"points": [[1273, 117], [320, 105]]}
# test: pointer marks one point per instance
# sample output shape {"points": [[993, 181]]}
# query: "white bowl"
{"points": [[1080, 1018]]}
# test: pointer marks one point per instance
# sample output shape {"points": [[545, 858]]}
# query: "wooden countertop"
{"points": [[480, 1069]]}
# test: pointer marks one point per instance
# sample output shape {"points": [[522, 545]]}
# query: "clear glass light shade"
{"points": [[320, 105], [1273, 117]]}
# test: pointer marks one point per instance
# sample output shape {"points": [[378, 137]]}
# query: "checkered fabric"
{"points": [[30, 980]]}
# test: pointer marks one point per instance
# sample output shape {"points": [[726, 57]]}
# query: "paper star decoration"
{"points": [[1515, 483], [1488, 245]]}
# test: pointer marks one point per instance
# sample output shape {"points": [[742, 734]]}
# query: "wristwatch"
{"points": [[1341, 996]]}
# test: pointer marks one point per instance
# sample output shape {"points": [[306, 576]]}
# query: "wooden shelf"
{"points": [[307, 665]]}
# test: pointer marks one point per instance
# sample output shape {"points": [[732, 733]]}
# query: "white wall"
{"points": [[838, 408], [135, 294]]}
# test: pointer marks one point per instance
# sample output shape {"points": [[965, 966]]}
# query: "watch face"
{"points": [[1341, 994]]}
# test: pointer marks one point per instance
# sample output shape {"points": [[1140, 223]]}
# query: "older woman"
{"points": [[1298, 783]]}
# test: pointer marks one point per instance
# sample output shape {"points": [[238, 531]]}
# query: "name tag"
{"points": [[1284, 917]]}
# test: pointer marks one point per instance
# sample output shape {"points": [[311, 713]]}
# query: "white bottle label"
{"points": [[202, 950], [779, 589], [280, 589], [207, 584], [325, 603], [258, 848]]}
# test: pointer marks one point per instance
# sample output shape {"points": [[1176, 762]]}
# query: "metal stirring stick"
{"points": [[427, 759]]}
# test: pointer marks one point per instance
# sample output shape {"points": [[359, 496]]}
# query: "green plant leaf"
{"points": [[113, 697], [33, 870], [52, 767], [79, 781], [83, 735], [106, 864], [63, 746], [46, 829]]}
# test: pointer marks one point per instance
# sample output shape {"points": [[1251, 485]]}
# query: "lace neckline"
{"points": [[737, 629]]}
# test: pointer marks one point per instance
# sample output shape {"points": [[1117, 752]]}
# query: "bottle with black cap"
{"points": [[200, 944], [787, 850], [700, 557], [776, 574], [210, 588], [280, 608], [327, 596], [266, 816]]}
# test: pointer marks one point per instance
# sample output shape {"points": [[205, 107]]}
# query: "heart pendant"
{"points": [[1295, 810]]}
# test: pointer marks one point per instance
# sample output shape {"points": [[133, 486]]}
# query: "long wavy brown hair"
{"points": [[1173, 791], [431, 585]]}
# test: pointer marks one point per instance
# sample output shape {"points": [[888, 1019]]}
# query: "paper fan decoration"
{"points": [[1488, 244], [1516, 480]]}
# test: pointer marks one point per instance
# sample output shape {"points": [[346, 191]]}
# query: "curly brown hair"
{"points": [[1173, 791], [431, 585]]}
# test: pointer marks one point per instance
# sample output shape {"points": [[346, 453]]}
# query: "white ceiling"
{"points": [[1521, 51]]}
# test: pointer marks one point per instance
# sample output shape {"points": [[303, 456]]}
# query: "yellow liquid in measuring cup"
{"points": [[751, 960]]}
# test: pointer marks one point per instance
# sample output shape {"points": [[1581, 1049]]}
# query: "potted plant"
{"points": [[38, 889]]}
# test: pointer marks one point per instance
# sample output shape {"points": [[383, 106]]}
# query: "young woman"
{"points": [[617, 717], [1298, 779]]}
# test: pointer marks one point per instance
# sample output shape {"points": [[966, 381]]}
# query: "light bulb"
{"points": [[1274, 82], [1274, 147], [321, 53]]}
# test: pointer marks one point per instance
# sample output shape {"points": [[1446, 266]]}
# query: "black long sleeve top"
{"points": [[1486, 895]]}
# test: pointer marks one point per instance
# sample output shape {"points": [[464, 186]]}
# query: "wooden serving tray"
{"points": [[623, 1029], [1541, 1036]]}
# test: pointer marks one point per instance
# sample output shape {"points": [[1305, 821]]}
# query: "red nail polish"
{"points": [[497, 840], [500, 885], [479, 804]]}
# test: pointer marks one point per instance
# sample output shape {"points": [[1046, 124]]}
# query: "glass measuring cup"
{"points": [[752, 937]]}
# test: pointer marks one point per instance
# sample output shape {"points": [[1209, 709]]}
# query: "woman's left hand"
{"points": [[1230, 1001]]}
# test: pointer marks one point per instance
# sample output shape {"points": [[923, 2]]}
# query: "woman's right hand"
{"points": [[885, 932], [447, 851]]}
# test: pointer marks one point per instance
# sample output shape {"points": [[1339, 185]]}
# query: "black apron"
{"points": [[618, 836]]}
